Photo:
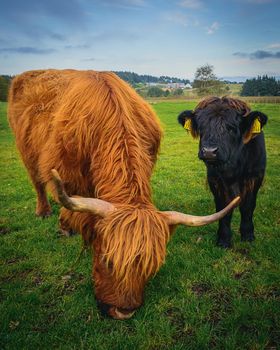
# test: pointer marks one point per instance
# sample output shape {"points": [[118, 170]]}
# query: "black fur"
{"points": [[238, 167]]}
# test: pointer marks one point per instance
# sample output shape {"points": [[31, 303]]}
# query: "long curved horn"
{"points": [[81, 204], [176, 218]]}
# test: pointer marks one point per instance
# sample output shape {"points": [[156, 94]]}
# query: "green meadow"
{"points": [[203, 297]]}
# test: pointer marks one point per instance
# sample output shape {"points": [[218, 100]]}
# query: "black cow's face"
{"points": [[223, 131], [220, 137]]}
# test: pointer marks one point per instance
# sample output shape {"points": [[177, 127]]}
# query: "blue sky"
{"points": [[157, 37]]}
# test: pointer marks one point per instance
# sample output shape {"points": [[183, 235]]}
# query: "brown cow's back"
{"points": [[91, 126]]}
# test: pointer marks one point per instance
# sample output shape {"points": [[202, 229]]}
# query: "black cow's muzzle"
{"points": [[208, 154]]}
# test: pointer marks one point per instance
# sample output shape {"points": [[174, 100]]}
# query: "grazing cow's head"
{"points": [[129, 245], [130, 249], [223, 125]]}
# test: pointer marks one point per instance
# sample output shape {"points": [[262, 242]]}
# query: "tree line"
{"points": [[156, 91], [5, 81], [134, 78], [205, 82], [261, 86], [130, 77]]}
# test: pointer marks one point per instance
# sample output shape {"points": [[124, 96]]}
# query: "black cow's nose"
{"points": [[209, 153]]}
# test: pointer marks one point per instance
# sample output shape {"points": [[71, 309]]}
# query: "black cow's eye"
{"points": [[231, 130]]}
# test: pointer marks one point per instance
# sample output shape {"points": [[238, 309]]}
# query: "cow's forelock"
{"points": [[219, 127], [130, 247]]}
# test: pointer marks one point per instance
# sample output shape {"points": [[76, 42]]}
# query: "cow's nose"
{"points": [[103, 308], [114, 312], [209, 153]]}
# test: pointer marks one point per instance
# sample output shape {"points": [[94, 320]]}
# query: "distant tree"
{"points": [[166, 93], [141, 92], [155, 91], [178, 92], [4, 87], [206, 81], [166, 79], [134, 78], [204, 74], [261, 86]]}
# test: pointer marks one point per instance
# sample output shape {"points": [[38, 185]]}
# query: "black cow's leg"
{"points": [[221, 201], [247, 208], [224, 230]]}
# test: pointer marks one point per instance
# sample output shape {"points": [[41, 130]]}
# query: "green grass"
{"points": [[202, 298]]}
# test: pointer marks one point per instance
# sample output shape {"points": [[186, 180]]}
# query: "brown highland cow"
{"points": [[103, 139]]}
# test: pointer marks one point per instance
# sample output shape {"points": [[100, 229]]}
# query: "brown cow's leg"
{"points": [[43, 207], [74, 222], [30, 160], [65, 228]]}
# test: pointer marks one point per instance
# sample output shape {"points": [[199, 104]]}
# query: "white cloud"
{"points": [[191, 4], [274, 46], [213, 28]]}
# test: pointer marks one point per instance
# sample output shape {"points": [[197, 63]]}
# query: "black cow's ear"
{"points": [[187, 120], [253, 124], [256, 116]]}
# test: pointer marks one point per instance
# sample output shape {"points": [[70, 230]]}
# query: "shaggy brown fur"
{"points": [[103, 139]]}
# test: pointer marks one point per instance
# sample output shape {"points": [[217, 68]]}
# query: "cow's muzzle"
{"points": [[208, 154], [114, 312]]}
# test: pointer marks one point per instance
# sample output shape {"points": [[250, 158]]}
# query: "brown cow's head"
{"points": [[129, 249], [129, 246]]}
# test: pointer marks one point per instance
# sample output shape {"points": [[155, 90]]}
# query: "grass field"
{"points": [[202, 298]]}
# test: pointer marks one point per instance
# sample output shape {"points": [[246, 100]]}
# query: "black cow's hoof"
{"points": [[223, 244], [248, 237]]}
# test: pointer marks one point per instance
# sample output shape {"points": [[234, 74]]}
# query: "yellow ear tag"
{"points": [[188, 124], [256, 128]]}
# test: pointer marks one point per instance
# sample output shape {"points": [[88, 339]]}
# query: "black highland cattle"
{"points": [[232, 147]]}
